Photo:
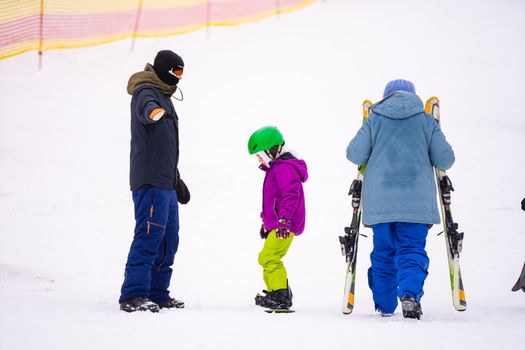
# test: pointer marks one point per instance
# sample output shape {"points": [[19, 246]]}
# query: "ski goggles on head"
{"points": [[177, 72]]}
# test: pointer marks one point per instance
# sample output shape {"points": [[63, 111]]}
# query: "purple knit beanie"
{"points": [[399, 85]]}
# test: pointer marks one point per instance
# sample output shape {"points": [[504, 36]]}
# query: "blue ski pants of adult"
{"points": [[399, 263], [155, 242]]}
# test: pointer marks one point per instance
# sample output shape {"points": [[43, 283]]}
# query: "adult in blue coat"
{"points": [[400, 144], [155, 184]]}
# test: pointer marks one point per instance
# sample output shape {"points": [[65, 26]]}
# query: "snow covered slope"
{"points": [[66, 209]]}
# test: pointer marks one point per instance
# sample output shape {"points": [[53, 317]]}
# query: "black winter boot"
{"points": [[411, 308], [172, 303], [282, 299], [139, 304], [262, 300]]}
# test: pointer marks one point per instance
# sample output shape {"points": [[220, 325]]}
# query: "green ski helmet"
{"points": [[264, 138]]}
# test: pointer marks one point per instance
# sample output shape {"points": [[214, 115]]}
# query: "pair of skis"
{"points": [[453, 238], [351, 238]]}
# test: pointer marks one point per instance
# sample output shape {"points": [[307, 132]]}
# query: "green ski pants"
{"points": [[274, 249]]}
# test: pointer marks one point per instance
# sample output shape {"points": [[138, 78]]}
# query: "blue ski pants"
{"points": [[399, 263], [155, 242]]}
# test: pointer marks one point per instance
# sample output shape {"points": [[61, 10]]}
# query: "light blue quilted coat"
{"points": [[400, 144]]}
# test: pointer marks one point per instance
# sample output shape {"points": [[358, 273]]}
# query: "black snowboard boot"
{"points": [[262, 300], [411, 308], [172, 303], [278, 299], [139, 304], [281, 299]]}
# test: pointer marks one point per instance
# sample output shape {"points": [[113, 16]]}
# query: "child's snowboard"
{"points": [[279, 311]]}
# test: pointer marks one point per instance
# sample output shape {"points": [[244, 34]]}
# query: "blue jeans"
{"points": [[399, 263], [155, 242]]}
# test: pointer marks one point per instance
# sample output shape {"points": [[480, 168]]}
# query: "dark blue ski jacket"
{"points": [[154, 144]]}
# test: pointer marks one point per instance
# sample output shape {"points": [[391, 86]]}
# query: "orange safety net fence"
{"points": [[54, 24]]}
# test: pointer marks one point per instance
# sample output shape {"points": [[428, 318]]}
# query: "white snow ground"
{"points": [[66, 209]]}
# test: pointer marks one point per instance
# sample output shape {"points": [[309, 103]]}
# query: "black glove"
{"points": [[183, 194], [263, 232], [523, 204], [283, 230]]}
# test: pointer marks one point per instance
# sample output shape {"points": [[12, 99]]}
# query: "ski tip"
{"points": [[366, 108], [432, 101], [367, 103]]}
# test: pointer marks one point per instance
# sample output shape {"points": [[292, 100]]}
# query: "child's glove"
{"points": [[263, 232], [283, 230]]}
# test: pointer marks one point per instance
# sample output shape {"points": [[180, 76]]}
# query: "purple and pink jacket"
{"points": [[283, 195]]}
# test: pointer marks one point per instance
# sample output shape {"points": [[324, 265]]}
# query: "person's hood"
{"points": [[298, 164], [399, 105], [149, 77]]}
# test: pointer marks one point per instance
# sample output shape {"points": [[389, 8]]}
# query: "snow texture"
{"points": [[66, 209]]}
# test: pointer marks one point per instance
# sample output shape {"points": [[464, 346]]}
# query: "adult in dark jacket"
{"points": [[155, 184]]}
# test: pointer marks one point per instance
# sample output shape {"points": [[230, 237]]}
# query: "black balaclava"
{"points": [[165, 61], [274, 151]]}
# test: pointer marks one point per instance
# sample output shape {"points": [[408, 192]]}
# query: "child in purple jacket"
{"points": [[283, 213]]}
